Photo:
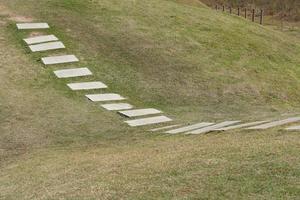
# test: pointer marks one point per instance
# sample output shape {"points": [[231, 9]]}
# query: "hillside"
{"points": [[179, 56]]}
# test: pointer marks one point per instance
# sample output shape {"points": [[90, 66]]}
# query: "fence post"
{"points": [[216, 7], [245, 13], [223, 8], [230, 10], [238, 11], [253, 15], [261, 16]]}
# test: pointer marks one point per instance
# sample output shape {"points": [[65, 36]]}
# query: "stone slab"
{"points": [[164, 128], [213, 127], [148, 121], [293, 128], [139, 112], [117, 106], [240, 126], [59, 59], [87, 85], [46, 46], [24, 26], [104, 97], [189, 128], [75, 72], [40, 39], [275, 123]]}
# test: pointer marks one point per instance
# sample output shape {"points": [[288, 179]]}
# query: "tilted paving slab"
{"points": [[75, 72], [87, 85], [189, 128], [40, 39], [104, 97], [59, 59], [240, 126], [211, 128], [117, 106], [165, 127], [275, 123], [24, 26], [46, 46], [293, 128], [139, 112], [148, 121]]}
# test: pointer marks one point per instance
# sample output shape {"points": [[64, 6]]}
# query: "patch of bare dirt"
{"points": [[4, 11]]}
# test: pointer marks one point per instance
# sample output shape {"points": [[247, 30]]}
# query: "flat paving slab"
{"points": [[117, 106], [87, 85], [75, 72], [275, 123], [46, 46], [148, 121], [40, 39], [189, 128], [165, 127], [293, 128], [240, 126], [104, 97], [23, 26], [139, 112], [59, 59], [211, 128]]}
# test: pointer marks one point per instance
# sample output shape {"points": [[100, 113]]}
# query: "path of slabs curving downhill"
{"points": [[116, 102]]}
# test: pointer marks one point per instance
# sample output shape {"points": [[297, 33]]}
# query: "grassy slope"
{"points": [[189, 61]]}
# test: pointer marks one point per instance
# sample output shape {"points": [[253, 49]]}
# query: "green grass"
{"points": [[179, 56]]}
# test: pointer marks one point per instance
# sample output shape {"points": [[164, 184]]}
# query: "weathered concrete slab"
{"points": [[189, 128], [139, 112], [23, 26], [293, 128], [104, 97], [46, 46], [275, 123], [240, 126], [40, 39], [213, 127], [87, 85], [148, 121], [165, 127], [70, 73], [117, 106], [59, 59]]}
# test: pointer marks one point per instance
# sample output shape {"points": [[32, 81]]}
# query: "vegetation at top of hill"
{"points": [[283, 9]]}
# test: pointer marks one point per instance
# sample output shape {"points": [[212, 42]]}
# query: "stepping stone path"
{"points": [[293, 128], [117, 106], [140, 112], [276, 123], [59, 59], [213, 127], [51, 42], [240, 126], [87, 86], [165, 127], [104, 97], [47, 46], [24, 26], [40, 39], [148, 121], [70, 73], [189, 128]]}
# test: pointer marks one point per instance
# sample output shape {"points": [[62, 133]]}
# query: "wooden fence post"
{"points": [[245, 13], [230, 10], [216, 7], [253, 15], [238, 11], [223, 8], [261, 16]]}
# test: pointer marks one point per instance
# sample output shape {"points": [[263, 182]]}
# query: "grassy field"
{"points": [[179, 56]]}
